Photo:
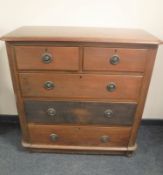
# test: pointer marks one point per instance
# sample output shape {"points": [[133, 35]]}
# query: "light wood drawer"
{"points": [[79, 135], [68, 112], [47, 58], [80, 86], [111, 59]]}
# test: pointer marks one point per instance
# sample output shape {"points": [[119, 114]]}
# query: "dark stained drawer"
{"points": [[80, 86], [112, 59], [58, 112], [79, 135], [47, 58]]}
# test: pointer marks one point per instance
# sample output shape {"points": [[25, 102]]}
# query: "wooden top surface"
{"points": [[81, 34]]}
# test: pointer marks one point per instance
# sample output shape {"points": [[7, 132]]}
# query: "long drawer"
{"points": [[68, 112], [47, 58], [80, 86], [79, 135], [112, 59]]}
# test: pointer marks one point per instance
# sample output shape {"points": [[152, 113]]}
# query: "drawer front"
{"points": [[58, 112], [47, 58], [79, 135], [111, 59], [80, 86]]}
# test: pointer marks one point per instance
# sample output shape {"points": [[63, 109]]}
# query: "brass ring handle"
{"points": [[115, 59], [51, 112], [48, 85], [111, 87], [108, 113], [105, 139], [47, 58], [54, 137]]}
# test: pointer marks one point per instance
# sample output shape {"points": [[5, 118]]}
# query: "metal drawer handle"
{"points": [[108, 113], [49, 85], [47, 58], [115, 59], [105, 139], [111, 87], [51, 112], [54, 137]]}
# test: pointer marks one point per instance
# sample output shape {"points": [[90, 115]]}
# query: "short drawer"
{"points": [[112, 59], [47, 58], [64, 112], [80, 86], [79, 135]]}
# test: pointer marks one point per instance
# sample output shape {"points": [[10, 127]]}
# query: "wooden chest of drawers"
{"points": [[80, 89]]}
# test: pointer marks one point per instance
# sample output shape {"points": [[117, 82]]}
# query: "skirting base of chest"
{"points": [[79, 149]]}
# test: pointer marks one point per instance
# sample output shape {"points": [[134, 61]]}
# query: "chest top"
{"points": [[81, 34]]}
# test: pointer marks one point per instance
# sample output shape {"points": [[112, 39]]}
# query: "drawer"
{"points": [[79, 135], [64, 112], [80, 85], [111, 59], [47, 58]]}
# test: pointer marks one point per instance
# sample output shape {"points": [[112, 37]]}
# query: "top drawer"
{"points": [[112, 59], [47, 58]]}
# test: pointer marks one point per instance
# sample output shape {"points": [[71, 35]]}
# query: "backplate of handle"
{"points": [[51, 112], [115, 59], [108, 113], [47, 58], [105, 139], [54, 137], [48, 85], [111, 87]]}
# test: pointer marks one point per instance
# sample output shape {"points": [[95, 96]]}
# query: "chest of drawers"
{"points": [[80, 89]]}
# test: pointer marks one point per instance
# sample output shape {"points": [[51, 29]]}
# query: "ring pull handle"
{"points": [[108, 113], [47, 58], [115, 59], [51, 112], [48, 85], [111, 87], [54, 137], [105, 139]]}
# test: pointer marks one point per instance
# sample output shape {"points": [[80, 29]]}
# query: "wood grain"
{"points": [[81, 72], [63, 58], [142, 99], [79, 135], [132, 60], [80, 112], [80, 85], [79, 149], [81, 34], [17, 92]]}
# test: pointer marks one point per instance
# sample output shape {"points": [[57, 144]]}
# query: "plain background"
{"points": [[144, 14]]}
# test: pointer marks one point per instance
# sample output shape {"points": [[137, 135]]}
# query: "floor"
{"points": [[148, 159]]}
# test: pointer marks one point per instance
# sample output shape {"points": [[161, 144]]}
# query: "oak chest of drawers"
{"points": [[80, 89]]}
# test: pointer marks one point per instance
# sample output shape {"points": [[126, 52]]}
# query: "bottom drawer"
{"points": [[79, 135]]}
